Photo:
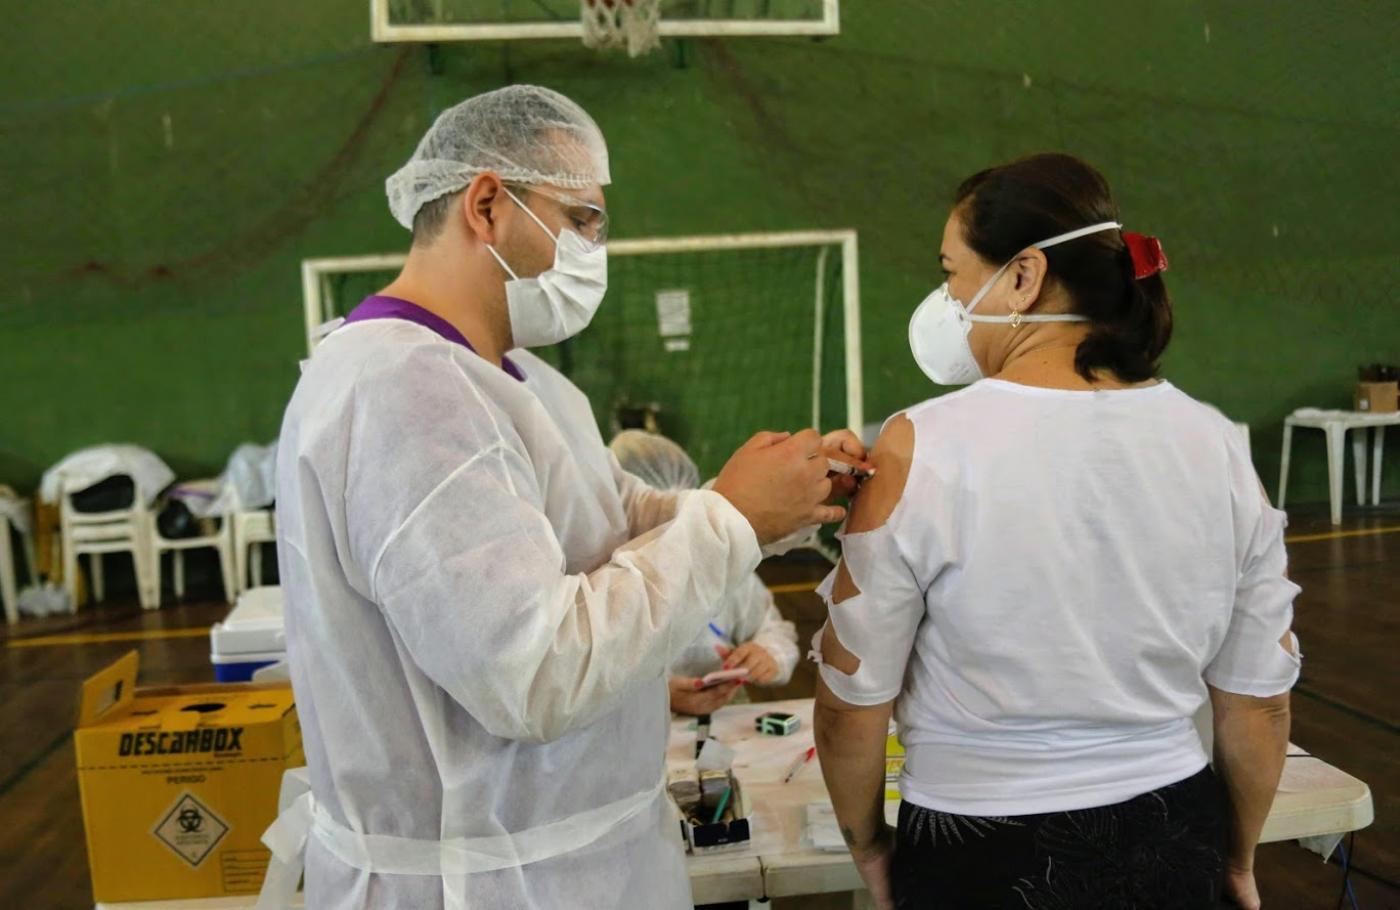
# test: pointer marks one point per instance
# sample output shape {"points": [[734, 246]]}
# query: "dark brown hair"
{"points": [[432, 217], [1005, 209]]}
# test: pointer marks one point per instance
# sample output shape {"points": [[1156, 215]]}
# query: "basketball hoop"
{"points": [[630, 24]]}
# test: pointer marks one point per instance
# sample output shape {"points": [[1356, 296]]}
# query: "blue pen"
{"points": [[718, 631]]}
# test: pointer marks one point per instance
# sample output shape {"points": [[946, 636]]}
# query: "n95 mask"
{"points": [[939, 328]]}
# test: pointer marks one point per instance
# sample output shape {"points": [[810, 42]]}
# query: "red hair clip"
{"points": [[1148, 258]]}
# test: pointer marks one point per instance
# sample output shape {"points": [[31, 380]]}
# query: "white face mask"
{"points": [[559, 302], [939, 328]]}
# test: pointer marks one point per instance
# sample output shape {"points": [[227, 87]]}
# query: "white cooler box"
{"points": [[251, 636]]}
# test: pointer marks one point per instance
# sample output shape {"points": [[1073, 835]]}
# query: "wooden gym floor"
{"points": [[1346, 710]]}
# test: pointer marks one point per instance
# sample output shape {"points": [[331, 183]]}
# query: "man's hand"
{"points": [[762, 666], [687, 698], [778, 481]]}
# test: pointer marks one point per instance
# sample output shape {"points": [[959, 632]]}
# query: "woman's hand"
{"points": [[1240, 887], [688, 698], [762, 666], [873, 862], [1251, 740]]}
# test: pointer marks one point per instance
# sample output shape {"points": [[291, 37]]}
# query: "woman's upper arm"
{"points": [[874, 600], [1259, 655], [1225, 704], [879, 495]]}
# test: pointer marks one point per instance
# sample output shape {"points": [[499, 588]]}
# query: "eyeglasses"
{"points": [[584, 218]]}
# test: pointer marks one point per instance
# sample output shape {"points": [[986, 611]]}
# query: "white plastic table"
{"points": [[1313, 799], [1336, 424]]}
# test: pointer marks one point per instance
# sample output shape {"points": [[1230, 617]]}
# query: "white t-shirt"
{"points": [[1063, 575]]}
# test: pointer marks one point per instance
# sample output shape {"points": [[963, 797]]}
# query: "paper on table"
{"points": [[714, 756], [823, 831], [1322, 844]]}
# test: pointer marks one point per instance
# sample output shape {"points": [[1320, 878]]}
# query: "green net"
{"points": [[167, 167]]}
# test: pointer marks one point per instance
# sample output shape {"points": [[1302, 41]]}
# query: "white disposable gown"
{"points": [[481, 607], [749, 615]]}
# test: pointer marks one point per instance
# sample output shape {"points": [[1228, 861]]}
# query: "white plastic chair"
{"points": [[221, 542], [251, 529], [94, 534], [9, 584]]}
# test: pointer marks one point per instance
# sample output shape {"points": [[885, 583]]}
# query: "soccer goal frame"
{"points": [[384, 30], [316, 297]]}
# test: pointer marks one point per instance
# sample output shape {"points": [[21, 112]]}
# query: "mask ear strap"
{"points": [[1018, 318], [532, 215], [1075, 235], [977, 298], [1053, 241], [509, 271]]}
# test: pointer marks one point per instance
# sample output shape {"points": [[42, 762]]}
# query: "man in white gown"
{"points": [[481, 605]]}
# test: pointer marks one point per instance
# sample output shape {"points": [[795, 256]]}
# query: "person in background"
{"points": [[1050, 573], [747, 632]]}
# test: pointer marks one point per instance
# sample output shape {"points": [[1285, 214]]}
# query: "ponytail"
{"points": [[1128, 339], [1007, 208]]}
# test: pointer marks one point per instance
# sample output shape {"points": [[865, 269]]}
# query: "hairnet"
{"points": [[523, 133], [655, 459]]}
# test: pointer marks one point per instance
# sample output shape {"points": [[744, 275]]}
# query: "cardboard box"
{"points": [[1378, 397], [702, 836], [894, 763], [178, 783]]}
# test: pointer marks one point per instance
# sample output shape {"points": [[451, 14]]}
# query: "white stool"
{"points": [[1336, 424], [251, 529]]}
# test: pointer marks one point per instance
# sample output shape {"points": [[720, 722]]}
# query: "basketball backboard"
{"points": [[509, 20]]}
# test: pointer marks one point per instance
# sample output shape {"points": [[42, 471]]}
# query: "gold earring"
{"points": [[1015, 319]]}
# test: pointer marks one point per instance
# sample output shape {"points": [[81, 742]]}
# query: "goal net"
{"points": [[705, 339]]}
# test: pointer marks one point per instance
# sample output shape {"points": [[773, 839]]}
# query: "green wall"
{"points": [[167, 166]]}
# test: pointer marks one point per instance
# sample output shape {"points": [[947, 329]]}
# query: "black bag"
{"points": [[175, 521], [1379, 372], [108, 495]]}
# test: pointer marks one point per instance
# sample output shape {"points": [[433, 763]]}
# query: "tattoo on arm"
{"points": [[849, 835]]}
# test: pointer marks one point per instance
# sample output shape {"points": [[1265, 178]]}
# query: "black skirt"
{"points": [[1164, 849]]}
